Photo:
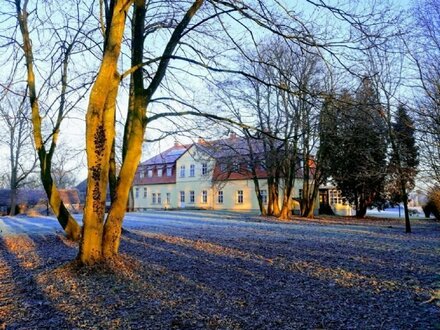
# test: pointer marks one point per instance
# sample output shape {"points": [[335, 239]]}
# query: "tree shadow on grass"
{"points": [[24, 304]]}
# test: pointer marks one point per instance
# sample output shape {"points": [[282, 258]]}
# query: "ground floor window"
{"points": [[145, 192], [159, 198], [182, 197], [263, 194], [136, 192], [168, 201], [220, 197], [204, 196], [240, 197], [153, 198], [191, 196]]}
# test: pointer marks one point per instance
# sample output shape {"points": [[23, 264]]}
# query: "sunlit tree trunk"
{"points": [[70, 226], [100, 132]]}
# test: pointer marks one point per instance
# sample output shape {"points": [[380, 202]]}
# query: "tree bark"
{"points": [[100, 133], [70, 226]]}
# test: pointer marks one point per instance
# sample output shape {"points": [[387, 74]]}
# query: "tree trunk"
{"points": [[405, 207], [13, 202], [100, 132], [70, 226], [284, 213]]}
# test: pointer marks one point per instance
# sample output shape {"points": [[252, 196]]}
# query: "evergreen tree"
{"points": [[356, 147], [402, 169]]}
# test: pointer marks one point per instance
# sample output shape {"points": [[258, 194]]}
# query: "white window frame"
{"points": [[169, 171], [192, 170], [240, 197], [263, 193], [159, 198], [159, 172], [220, 198], [168, 198], [204, 197], [150, 173], [153, 198], [204, 168], [182, 171], [192, 197], [182, 196]]}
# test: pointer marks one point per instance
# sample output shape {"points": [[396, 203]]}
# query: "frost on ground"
{"points": [[249, 273]]}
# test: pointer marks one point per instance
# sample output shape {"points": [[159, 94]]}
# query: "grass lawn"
{"points": [[250, 273]]}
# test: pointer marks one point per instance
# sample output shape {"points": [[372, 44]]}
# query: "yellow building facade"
{"points": [[193, 177]]}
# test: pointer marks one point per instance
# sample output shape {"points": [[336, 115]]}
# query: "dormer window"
{"points": [[150, 173], [159, 172], [169, 171]]}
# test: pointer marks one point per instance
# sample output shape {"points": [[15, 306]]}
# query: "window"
{"points": [[168, 201], [182, 171], [141, 174], [223, 167], [335, 197], [235, 167], [159, 172], [182, 197], [204, 168], [220, 197], [169, 171], [136, 193], [145, 192], [204, 196], [239, 196], [159, 198], [153, 198], [150, 173], [192, 170], [263, 194], [191, 196]]}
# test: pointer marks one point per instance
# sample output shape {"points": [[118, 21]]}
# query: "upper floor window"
{"points": [[182, 171], [169, 171], [204, 196], [191, 196], [192, 170], [220, 197], [150, 173], [204, 168], [240, 197], [159, 172]]}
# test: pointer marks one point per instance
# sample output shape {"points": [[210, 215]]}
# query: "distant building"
{"points": [[36, 200], [207, 174]]}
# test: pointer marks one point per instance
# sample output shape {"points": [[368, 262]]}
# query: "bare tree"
{"points": [[17, 137]]}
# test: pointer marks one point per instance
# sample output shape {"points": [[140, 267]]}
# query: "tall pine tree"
{"points": [[356, 147], [402, 168]]}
